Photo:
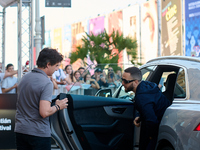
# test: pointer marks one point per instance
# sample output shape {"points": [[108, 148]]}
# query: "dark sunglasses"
{"points": [[110, 69], [127, 81]]}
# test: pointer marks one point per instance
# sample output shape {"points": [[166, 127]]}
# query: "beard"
{"points": [[130, 88]]}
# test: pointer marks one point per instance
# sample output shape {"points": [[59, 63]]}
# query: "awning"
{"points": [[6, 3]]}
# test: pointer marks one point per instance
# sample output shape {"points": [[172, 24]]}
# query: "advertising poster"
{"points": [[171, 34], [47, 39], [115, 23], [96, 25], [149, 31], [192, 28], [78, 31], [57, 39], [67, 40], [67, 44], [131, 28]]}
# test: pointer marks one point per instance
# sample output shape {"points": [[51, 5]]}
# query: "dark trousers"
{"points": [[29, 142], [145, 142]]}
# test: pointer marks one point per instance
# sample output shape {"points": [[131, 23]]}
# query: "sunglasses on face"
{"points": [[127, 81]]}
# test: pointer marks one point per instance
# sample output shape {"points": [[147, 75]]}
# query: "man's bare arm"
{"points": [[8, 74], [46, 110]]}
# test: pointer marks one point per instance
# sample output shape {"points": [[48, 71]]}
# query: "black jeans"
{"points": [[29, 142]]}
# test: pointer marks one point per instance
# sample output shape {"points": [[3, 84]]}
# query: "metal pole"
{"points": [[31, 35], [37, 28], [183, 28], [19, 39], [3, 39], [159, 27]]}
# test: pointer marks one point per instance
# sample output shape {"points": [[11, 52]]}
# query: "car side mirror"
{"points": [[104, 93]]}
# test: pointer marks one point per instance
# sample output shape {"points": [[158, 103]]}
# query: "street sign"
{"points": [[57, 3]]}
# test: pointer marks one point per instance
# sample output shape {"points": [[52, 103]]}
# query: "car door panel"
{"points": [[97, 122]]}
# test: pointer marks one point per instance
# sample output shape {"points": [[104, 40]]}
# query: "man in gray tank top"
{"points": [[35, 90]]}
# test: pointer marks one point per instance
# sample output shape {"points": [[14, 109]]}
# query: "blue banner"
{"points": [[192, 26]]}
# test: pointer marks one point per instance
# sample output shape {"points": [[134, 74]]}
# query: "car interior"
{"points": [[173, 84]]}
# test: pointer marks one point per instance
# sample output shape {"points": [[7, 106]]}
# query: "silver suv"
{"points": [[105, 121]]}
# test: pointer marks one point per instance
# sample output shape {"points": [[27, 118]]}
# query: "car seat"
{"points": [[170, 85]]}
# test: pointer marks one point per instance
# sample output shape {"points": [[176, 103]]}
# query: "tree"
{"points": [[101, 48]]}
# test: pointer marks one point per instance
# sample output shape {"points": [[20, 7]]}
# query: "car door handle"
{"points": [[118, 110]]}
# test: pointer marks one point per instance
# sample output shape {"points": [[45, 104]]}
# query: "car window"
{"points": [[180, 87], [162, 83], [147, 71]]}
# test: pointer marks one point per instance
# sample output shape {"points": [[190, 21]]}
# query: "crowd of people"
{"points": [[67, 76], [100, 78]]}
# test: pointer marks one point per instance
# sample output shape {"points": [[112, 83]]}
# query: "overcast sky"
{"points": [[80, 10]]}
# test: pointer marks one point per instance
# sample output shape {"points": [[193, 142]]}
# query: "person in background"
{"points": [[33, 106], [97, 73], [5, 75], [55, 85], [83, 72], [118, 74], [60, 77], [9, 84], [69, 73], [92, 82], [110, 69], [100, 78], [77, 76], [149, 102], [112, 79]]}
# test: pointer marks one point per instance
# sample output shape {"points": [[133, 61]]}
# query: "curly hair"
{"points": [[48, 55]]}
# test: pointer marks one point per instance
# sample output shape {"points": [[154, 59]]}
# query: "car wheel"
{"points": [[167, 148]]}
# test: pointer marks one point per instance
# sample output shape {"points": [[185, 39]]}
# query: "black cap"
{"points": [[98, 70]]}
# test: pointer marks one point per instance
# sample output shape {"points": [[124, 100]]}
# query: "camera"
{"points": [[101, 75], [111, 75]]}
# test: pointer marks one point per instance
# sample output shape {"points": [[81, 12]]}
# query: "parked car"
{"points": [[105, 121]]}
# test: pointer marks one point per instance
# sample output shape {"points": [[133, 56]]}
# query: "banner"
{"points": [[171, 27], [192, 27], [57, 39], [115, 23], [149, 31], [78, 31], [96, 25], [67, 38], [47, 39], [131, 28]]}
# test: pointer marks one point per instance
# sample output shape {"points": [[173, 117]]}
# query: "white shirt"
{"points": [[58, 75], [9, 82], [1, 80]]}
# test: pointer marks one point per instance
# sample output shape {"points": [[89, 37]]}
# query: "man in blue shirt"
{"points": [[149, 102]]}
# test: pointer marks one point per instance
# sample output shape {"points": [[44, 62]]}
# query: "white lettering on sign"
{"points": [[3, 128], [5, 120]]}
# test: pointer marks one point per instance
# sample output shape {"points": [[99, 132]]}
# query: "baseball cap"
{"points": [[98, 70]]}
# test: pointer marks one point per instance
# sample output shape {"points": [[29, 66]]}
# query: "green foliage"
{"points": [[99, 47]]}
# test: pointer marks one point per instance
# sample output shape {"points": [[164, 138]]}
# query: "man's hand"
{"points": [[92, 79], [137, 122], [62, 103]]}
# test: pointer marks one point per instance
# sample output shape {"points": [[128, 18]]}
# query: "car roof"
{"points": [[183, 58], [186, 61]]}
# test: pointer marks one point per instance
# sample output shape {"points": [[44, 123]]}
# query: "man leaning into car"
{"points": [[149, 102], [35, 90]]}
